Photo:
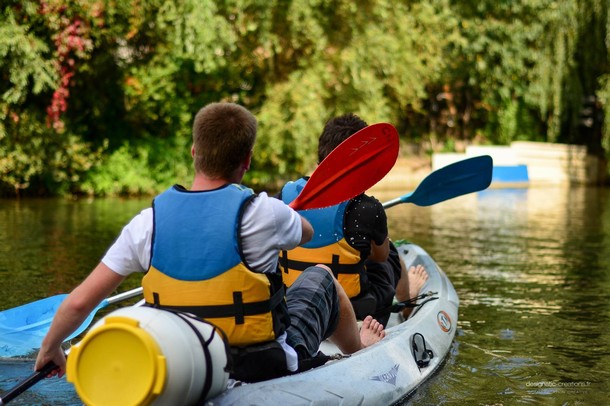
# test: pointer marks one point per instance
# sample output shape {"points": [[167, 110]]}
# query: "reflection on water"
{"points": [[531, 267], [48, 246]]}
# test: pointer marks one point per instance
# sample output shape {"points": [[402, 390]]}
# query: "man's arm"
{"points": [[73, 311], [307, 231]]}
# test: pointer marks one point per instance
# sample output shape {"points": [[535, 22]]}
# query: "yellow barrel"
{"points": [[147, 356]]}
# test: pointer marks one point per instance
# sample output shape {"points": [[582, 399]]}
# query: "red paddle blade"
{"points": [[354, 166]]}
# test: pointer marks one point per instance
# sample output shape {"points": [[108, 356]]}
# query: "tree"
{"points": [[98, 97]]}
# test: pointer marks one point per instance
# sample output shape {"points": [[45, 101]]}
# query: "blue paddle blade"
{"points": [[460, 178], [22, 328], [457, 179]]}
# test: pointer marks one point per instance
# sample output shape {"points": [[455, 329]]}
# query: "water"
{"points": [[531, 267]]}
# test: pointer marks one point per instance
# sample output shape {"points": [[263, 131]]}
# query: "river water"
{"points": [[531, 268]]}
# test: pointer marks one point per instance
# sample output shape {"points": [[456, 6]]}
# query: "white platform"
{"points": [[546, 162]]}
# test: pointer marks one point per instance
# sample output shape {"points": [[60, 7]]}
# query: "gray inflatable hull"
{"points": [[381, 374]]}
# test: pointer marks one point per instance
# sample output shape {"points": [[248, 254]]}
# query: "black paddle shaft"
{"points": [[27, 383]]}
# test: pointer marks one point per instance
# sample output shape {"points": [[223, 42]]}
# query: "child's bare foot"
{"points": [[371, 332], [417, 277]]}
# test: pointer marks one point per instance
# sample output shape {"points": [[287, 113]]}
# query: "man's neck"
{"points": [[204, 182]]}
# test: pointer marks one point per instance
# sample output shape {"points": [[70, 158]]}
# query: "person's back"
{"points": [[198, 263], [328, 246]]}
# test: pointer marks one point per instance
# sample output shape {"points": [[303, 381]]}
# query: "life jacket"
{"points": [[328, 246], [197, 266]]}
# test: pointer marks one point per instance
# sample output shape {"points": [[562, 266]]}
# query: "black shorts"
{"points": [[383, 278]]}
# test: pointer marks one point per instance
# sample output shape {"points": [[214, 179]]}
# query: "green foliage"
{"points": [[125, 172], [25, 68], [604, 96], [33, 157], [32, 161], [98, 97], [514, 123], [143, 169]]}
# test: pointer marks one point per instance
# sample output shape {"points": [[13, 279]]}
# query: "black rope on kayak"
{"points": [[419, 306], [338, 356], [318, 360], [412, 303]]}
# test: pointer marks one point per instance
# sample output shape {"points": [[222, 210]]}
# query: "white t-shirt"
{"points": [[268, 226]]}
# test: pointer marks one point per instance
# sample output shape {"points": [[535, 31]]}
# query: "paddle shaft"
{"points": [[27, 383], [111, 300], [392, 203], [124, 296]]}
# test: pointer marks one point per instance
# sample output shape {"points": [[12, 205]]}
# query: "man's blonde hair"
{"points": [[223, 136]]}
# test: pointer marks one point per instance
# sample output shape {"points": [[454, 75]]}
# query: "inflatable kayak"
{"points": [[169, 358]]}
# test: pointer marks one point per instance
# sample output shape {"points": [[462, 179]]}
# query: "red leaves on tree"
{"points": [[71, 44]]}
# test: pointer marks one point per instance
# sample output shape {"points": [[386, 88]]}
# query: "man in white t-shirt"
{"points": [[192, 243]]}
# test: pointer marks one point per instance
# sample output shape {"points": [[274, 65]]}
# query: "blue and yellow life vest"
{"points": [[328, 245], [197, 266]]}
